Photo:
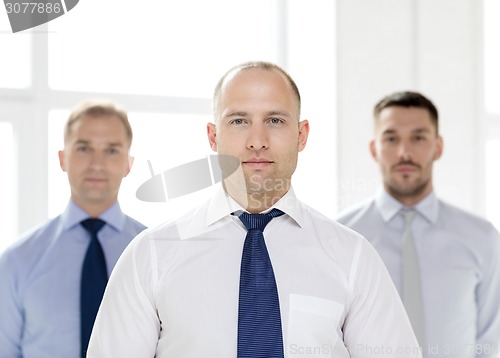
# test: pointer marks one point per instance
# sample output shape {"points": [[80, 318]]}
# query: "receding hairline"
{"points": [[97, 109], [253, 65]]}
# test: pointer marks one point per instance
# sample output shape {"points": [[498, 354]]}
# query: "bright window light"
{"points": [[8, 208], [58, 190], [15, 58], [492, 56], [170, 48]]}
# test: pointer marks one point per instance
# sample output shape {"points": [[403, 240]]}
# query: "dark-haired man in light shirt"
{"points": [[453, 301]]}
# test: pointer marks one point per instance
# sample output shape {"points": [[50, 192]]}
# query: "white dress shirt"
{"points": [[174, 291], [459, 256]]}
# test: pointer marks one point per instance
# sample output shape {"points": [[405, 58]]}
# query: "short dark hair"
{"points": [[97, 108], [255, 65], [408, 99]]}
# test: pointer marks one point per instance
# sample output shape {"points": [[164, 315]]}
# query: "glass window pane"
{"points": [[15, 58], [492, 55], [161, 142], [58, 190], [156, 47], [492, 180], [8, 208]]}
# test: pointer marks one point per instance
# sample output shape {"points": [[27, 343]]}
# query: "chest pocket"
{"points": [[313, 326]]}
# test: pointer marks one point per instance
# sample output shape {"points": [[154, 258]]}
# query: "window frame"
{"points": [[29, 110]]}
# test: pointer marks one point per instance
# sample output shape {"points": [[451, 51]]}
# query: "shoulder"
{"points": [[156, 248], [331, 231], [37, 235], [352, 215], [460, 220], [475, 233], [168, 231], [134, 225], [31, 244], [348, 248]]}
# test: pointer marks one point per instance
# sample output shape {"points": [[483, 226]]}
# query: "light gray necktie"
{"points": [[412, 289]]}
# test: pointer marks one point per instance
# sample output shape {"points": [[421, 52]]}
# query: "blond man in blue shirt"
{"points": [[40, 275]]}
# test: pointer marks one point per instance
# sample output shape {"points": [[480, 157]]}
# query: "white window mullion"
{"points": [[32, 139]]}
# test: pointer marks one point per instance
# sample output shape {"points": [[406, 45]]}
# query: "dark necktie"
{"points": [[93, 281], [259, 320]]}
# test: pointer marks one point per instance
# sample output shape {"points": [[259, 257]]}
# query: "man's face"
{"points": [[95, 156], [258, 123], [405, 147]]}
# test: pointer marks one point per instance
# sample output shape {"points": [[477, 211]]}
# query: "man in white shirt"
{"points": [[174, 292], [457, 255]]}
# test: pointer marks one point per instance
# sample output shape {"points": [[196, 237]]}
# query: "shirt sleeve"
{"points": [[127, 325], [376, 324], [488, 299], [11, 314]]}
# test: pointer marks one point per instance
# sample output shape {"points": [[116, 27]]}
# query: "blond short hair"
{"points": [[97, 108]]}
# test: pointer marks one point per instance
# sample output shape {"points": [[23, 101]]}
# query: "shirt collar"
{"points": [[222, 205], [389, 207], [73, 215], [428, 207]]}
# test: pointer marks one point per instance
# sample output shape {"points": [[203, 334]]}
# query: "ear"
{"points": [[130, 163], [212, 136], [303, 134], [373, 149], [439, 148], [61, 160]]}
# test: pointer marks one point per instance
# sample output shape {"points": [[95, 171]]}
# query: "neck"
{"points": [[93, 209], [255, 202]]}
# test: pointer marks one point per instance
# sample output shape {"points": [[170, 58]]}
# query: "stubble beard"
{"points": [[407, 190], [265, 190]]}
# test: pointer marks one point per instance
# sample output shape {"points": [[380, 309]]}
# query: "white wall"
{"points": [[432, 46]]}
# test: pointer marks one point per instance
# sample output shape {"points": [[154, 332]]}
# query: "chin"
{"points": [[412, 190], [255, 190]]}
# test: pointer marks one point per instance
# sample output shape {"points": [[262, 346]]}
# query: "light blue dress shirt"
{"points": [[40, 282], [459, 257]]}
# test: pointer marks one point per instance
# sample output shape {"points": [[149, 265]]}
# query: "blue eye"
{"points": [[238, 121]]}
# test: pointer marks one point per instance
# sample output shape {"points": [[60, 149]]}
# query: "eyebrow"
{"points": [[112, 144], [278, 113], [236, 114], [418, 130], [245, 114]]}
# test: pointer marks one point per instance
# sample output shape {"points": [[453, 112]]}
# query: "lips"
{"points": [[95, 180], [406, 168], [257, 162]]}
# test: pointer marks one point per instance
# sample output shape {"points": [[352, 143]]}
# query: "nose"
{"points": [[97, 160], [257, 137], [404, 151]]}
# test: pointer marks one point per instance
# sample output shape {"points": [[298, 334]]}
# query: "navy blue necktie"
{"points": [[259, 320], [93, 281]]}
